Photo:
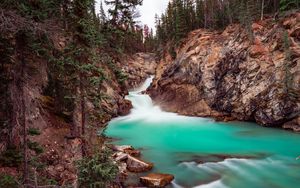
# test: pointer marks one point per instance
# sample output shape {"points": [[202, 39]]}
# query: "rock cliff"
{"points": [[244, 74], [138, 67]]}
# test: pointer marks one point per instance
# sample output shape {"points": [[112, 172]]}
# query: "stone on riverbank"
{"points": [[121, 148], [137, 165], [120, 156], [157, 180]]}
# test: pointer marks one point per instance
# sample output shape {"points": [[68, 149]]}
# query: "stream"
{"points": [[203, 153]]}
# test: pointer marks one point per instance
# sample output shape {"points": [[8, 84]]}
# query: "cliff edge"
{"points": [[243, 74]]}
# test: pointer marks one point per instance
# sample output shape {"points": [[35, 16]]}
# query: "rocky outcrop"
{"points": [[293, 125], [157, 180], [237, 73], [137, 165], [124, 107], [127, 154], [122, 148], [130, 166], [120, 156], [138, 67]]}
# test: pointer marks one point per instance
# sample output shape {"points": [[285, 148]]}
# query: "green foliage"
{"points": [[51, 182], [122, 11], [11, 158], [246, 14], [97, 170], [289, 4], [76, 65], [35, 162], [120, 75], [89, 33], [7, 181], [183, 16], [35, 147], [38, 10], [33, 131]]}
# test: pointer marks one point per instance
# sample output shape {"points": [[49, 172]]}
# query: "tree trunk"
{"points": [[205, 14], [229, 13], [65, 14], [115, 15], [82, 103], [23, 121], [21, 43], [262, 9]]}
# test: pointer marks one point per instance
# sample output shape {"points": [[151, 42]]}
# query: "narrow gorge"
{"points": [[148, 93]]}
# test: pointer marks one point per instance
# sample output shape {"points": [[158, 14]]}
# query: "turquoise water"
{"points": [[203, 153]]}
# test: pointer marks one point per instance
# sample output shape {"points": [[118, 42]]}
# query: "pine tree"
{"points": [[289, 4], [199, 14], [190, 15], [181, 27], [122, 11], [170, 21], [102, 15]]}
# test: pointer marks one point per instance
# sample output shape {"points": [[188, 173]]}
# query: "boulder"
{"points": [[124, 107], [133, 152], [157, 180], [293, 125], [121, 148], [120, 156], [137, 165], [123, 169]]}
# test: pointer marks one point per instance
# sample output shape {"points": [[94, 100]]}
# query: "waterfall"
{"points": [[143, 107]]}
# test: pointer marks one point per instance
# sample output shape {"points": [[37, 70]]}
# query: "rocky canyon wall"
{"points": [[243, 74]]}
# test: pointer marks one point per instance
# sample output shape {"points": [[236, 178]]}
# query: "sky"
{"points": [[147, 10]]}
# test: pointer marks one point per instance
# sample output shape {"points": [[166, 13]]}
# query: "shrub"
{"points": [[35, 147], [8, 181], [33, 131], [97, 170], [11, 158]]}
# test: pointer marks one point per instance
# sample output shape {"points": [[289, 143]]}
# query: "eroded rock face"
{"points": [[124, 107], [227, 74], [157, 180], [138, 67], [293, 125], [137, 165]]}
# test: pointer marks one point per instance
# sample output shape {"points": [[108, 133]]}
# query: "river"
{"points": [[203, 153]]}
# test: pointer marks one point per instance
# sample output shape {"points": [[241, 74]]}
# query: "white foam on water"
{"points": [[227, 163], [144, 109], [144, 86], [175, 185], [214, 184], [232, 163]]}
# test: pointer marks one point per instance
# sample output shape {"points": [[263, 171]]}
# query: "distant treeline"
{"points": [[183, 16]]}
